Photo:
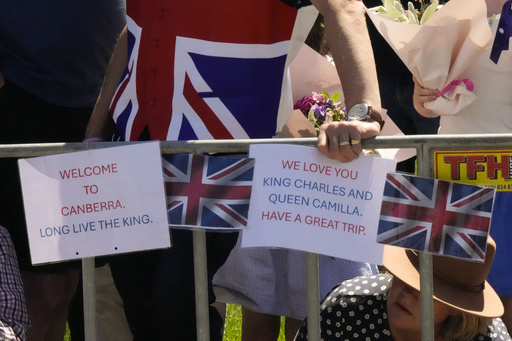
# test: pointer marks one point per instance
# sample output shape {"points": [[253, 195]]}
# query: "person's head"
{"points": [[463, 300]]}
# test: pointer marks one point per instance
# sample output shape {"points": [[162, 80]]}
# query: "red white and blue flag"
{"points": [[503, 33], [198, 70], [435, 216], [206, 191]]}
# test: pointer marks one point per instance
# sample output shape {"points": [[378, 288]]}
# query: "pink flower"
{"points": [[321, 108], [304, 104]]}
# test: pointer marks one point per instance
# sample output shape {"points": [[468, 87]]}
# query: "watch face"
{"points": [[358, 112]]}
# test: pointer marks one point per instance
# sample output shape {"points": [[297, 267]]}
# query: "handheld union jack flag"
{"points": [[206, 191], [435, 216]]}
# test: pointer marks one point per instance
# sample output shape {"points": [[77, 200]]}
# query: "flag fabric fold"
{"points": [[435, 216], [206, 191]]}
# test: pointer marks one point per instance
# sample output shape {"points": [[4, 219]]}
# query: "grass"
{"points": [[233, 329]]}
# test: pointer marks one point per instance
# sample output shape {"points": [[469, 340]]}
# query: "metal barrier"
{"points": [[425, 146]]}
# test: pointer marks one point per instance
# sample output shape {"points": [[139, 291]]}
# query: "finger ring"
{"points": [[343, 143], [355, 141]]}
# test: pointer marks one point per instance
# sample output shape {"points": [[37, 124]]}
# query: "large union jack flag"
{"points": [[206, 191], [221, 78], [435, 216]]}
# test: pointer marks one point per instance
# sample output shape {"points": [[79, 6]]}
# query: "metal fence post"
{"points": [[89, 288], [424, 163], [313, 295], [201, 285]]}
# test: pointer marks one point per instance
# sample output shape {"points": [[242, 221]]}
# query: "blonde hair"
{"points": [[463, 327]]}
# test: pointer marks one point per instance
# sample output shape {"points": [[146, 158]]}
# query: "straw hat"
{"points": [[459, 283]]}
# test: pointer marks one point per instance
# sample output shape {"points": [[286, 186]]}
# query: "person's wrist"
{"points": [[365, 112]]}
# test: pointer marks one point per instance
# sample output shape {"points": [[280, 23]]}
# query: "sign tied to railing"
{"points": [[303, 200], [94, 203]]}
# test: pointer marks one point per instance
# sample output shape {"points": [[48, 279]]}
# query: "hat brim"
{"points": [[485, 303]]}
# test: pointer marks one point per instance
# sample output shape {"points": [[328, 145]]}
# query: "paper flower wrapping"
{"points": [[438, 51]]}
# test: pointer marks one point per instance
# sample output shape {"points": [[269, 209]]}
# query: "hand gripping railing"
{"points": [[425, 145]]}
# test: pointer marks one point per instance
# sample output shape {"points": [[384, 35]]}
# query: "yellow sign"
{"points": [[488, 168]]}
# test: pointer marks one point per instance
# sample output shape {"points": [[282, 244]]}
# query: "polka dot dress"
{"points": [[356, 310]]}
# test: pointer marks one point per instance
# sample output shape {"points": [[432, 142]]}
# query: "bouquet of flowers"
{"points": [[321, 108], [439, 49], [393, 10]]}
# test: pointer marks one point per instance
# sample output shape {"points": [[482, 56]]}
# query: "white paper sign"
{"points": [[303, 200], [94, 203]]}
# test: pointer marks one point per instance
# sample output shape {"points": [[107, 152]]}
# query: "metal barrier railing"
{"points": [[425, 146]]}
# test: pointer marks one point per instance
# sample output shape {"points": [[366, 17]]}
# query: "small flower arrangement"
{"points": [[393, 10], [322, 108]]}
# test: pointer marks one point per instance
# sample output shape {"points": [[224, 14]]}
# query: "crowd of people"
{"points": [[189, 70]]}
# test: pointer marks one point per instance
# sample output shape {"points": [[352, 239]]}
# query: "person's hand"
{"points": [[342, 140], [421, 96]]}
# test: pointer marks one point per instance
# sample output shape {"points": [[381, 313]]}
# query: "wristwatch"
{"points": [[364, 112]]}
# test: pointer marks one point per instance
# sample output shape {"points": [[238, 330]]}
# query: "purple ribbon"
{"points": [[469, 85]]}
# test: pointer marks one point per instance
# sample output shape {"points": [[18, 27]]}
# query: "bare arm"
{"points": [[350, 45], [351, 49], [99, 122]]}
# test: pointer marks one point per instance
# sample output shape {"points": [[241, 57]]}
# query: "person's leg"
{"points": [[174, 298], [76, 314], [133, 275], [259, 327], [48, 297], [111, 323], [291, 326]]}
